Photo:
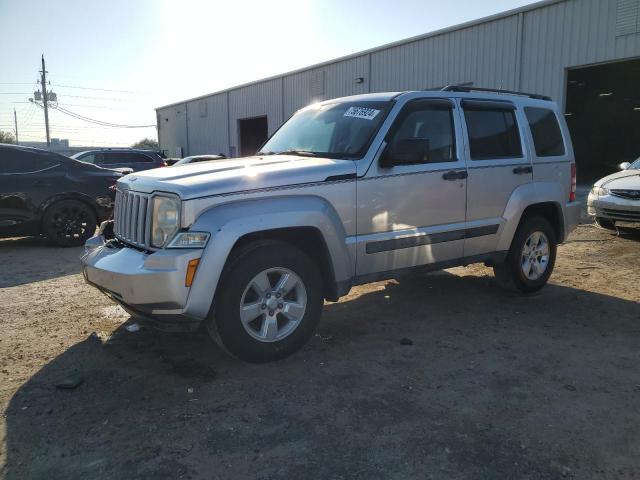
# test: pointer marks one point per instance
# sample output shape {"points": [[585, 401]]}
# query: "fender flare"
{"points": [[524, 196], [229, 222]]}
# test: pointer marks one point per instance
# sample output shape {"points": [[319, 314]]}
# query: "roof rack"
{"points": [[461, 88]]}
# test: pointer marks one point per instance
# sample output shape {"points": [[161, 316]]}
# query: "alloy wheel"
{"points": [[535, 256], [273, 304]]}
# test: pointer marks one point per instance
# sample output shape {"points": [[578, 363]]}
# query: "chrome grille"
{"points": [[629, 194], [130, 217]]}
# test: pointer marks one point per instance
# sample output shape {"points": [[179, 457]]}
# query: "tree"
{"points": [[147, 144], [7, 137]]}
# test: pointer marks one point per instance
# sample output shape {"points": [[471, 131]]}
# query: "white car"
{"points": [[616, 197]]}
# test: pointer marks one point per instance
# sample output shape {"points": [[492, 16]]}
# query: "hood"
{"points": [[624, 180], [213, 178]]}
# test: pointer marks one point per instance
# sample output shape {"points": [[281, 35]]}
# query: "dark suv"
{"points": [[117, 158], [46, 193]]}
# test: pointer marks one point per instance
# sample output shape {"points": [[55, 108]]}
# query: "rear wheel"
{"points": [[531, 258], [268, 304], [606, 223], [69, 223]]}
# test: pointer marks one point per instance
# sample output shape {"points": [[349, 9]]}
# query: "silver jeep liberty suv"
{"points": [[347, 191]]}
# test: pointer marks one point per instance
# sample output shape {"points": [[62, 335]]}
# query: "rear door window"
{"points": [[112, 158], [89, 158], [493, 130], [545, 130]]}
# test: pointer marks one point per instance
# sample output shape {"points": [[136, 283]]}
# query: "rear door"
{"points": [[497, 162]]}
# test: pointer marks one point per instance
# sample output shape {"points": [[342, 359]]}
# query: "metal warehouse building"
{"points": [[585, 54]]}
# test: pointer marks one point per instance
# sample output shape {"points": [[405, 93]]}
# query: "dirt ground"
{"points": [[495, 385]]}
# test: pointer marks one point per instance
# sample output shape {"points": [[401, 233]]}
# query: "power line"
{"points": [[98, 98], [98, 122], [93, 106], [97, 89]]}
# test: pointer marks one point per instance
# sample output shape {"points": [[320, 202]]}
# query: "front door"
{"points": [[497, 165], [411, 208]]}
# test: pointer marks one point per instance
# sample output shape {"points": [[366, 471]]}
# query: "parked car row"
{"points": [[46, 193], [62, 198]]}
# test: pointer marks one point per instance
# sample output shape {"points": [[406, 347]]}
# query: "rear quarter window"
{"points": [[545, 130], [138, 158]]}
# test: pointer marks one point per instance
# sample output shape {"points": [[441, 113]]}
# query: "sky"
{"points": [[115, 61]]}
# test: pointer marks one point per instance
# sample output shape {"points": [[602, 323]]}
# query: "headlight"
{"points": [[189, 240], [165, 220], [599, 191]]}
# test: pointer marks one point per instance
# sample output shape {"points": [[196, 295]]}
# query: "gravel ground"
{"points": [[492, 385]]}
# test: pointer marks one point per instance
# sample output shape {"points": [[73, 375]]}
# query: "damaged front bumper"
{"points": [[150, 285]]}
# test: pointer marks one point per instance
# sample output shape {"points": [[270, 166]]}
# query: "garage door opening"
{"points": [[603, 114], [253, 133]]}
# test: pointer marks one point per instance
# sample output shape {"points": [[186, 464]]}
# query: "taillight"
{"points": [[113, 187], [572, 193], [164, 164]]}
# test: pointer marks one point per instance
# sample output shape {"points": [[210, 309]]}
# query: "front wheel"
{"points": [[69, 223], [268, 304], [531, 257]]}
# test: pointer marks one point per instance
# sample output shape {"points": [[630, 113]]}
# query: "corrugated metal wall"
{"points": [[258, 99], [172, 130], [483, 54], [528, 50], [570, 34], [208, 125]]}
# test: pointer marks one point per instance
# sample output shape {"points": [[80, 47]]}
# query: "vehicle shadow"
{"points": [[628, 231], [38, 258], [484, 384]]}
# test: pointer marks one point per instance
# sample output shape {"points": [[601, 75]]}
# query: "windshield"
{"points": [[635, 165], [334, 130]]}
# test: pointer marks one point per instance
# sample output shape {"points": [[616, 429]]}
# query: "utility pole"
{"points": [[15, 121], [45, 99]]}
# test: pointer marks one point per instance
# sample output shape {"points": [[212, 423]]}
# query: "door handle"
{"points": [[452, 175], [41, 183], [523, 170]]}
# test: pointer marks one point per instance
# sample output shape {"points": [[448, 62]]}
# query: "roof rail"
{"points": [[461, 88]]}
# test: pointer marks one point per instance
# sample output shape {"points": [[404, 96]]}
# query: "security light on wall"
{"points": [[359, 79]]}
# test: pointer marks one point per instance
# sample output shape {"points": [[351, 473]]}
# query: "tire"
{"points": [[606, 223], [69, 223], [529, 274], [272, 334]]}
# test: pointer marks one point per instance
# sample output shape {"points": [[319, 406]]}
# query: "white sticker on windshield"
{"points": [[362, 112]]}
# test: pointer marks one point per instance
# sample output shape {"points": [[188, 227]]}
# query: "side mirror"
{"points": [[624, 165], [407, 151]]}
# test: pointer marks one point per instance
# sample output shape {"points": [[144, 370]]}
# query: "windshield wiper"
{"points": [[302, 153], [265, 153]]}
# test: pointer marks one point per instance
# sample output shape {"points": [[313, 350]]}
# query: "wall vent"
{"points": [[628, 17], [202, 107]]}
